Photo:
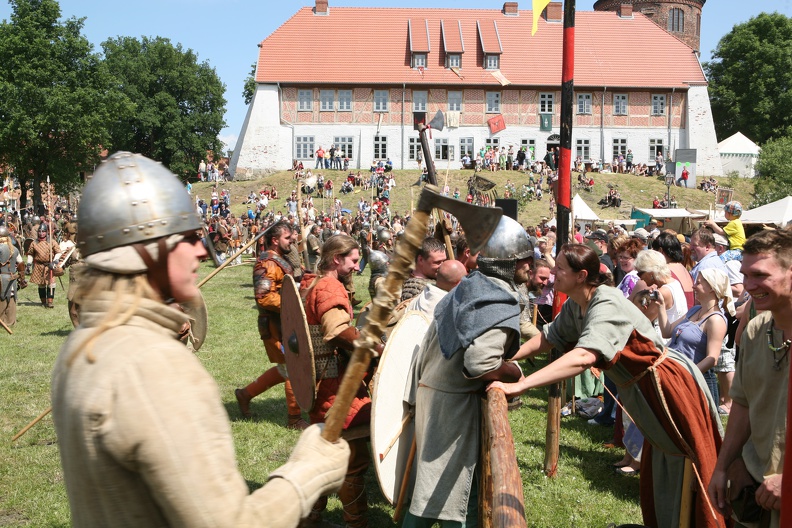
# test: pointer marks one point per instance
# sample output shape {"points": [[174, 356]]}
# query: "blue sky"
{"points": [[225, 33]]}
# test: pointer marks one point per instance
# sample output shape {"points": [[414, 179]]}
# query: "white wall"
{"points": [[701, 133]]}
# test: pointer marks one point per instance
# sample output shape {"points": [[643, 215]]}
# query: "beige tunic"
{"points": [[144, 438]]}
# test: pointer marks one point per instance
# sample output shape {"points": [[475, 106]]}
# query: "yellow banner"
{"points": [[538, 7]]}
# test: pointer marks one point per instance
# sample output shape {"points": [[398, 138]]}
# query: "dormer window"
{"points": [[419, 60], [492, 62], [454, 60]]}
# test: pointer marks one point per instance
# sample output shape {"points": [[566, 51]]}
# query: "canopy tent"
{"points": [[777, 213], [680, 220], [738, 154], [581, 211]]}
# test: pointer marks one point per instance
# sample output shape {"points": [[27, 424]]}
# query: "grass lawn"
{"points": [[585, 493]]}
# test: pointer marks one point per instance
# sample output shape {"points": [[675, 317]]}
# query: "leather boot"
{"points": [[243, 400], [295, 420]]}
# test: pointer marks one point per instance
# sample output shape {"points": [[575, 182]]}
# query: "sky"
{"points": [[226, 33]]}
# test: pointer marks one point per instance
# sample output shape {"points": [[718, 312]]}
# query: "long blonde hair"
{"points": [[91, 284]]}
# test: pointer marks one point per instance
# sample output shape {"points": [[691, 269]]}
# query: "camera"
{"points": [[654, 295]]}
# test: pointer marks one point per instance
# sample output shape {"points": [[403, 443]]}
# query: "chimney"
{"points": [[321, 8], [626, 11], [554, 12], [510, 9]]}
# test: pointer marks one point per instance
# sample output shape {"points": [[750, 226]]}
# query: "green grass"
{"points": [[585, 493], [635, 191]]}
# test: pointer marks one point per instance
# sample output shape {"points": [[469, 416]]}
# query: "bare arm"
{"points": [[533, 346], [738, 431], [666, 326], [567, 366]]}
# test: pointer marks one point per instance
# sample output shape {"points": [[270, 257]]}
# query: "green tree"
{"points": [[750, 78], [773, 179], [56, 97], [179, 102], [250, 85]]}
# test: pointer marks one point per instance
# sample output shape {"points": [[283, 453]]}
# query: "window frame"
{"points": [[616, 147], [346, 144], [458, 104], [492, 61], [653, 145], [444, 149], [381, 97], [658, 100], [676, 20], [454, 58], [380, 147], [344, 100], [304, 142], [323, 101], [305, 100], [621, 99], [583, 149], [493, 107], [423, 103], [413, 147], [546, 102], [586, 100], [419, 60], [492, 142], [463, 143]]}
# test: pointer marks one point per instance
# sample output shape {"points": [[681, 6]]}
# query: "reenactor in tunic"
{"points": [[44, 255], [12, 276]]}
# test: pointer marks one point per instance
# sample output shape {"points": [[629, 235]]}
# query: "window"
{"points": [[492, 142], [466, 147], [414, 148], [380, 147], [454, 101], [619, 147], [676, 20], [419, 101], [344, 144], [493, 102], [658, 104], [492, 62], [381, 100], [584, 103], [546, 103], [583, 149], [345, 100], [655, 148], [304, 147], [698, 25], [443, 151], [326, 100], [530, 147], [419, 60], [620, 104], [305, 100], [453, 60]]}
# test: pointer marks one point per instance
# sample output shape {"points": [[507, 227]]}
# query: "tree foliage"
{"points": [[179, 102], [774, 179], [750, 79], [250, 85], [55, 97]]}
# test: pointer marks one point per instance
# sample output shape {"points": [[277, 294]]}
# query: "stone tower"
{"points": [[681, 18]]}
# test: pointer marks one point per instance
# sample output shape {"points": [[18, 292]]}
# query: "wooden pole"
{"points": [[230, 259], [397, 513], [31, 424], [508, 510], [6, 327]]}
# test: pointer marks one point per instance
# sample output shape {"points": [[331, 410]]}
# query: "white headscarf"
{"points": [[719, 282]]}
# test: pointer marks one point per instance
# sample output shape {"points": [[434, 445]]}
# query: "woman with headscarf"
{"points": [[699, 334], [660, 388]]}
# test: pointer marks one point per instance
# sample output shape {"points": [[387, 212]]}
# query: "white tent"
{"points": [[738, 154], [581, 211], [778, 213]]}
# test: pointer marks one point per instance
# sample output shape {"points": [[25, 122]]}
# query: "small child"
{"points": [[733, 230]]}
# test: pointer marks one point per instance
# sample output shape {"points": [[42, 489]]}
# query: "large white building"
{"points": [[352, 77]]}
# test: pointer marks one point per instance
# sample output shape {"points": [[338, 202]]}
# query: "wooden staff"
{"points": [[230, 259], [31, 424], [6, 327], [405, 482]]}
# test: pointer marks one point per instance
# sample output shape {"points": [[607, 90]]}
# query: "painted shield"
{"points": [[392, 425], [210, 247], [26, 245], [297, 346], [199, 321]]}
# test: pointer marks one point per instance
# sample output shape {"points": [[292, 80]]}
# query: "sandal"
{"points": [[627, 471]]}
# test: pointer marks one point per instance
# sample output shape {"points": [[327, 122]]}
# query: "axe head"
{"points": [[438, 121], [479, 223]]}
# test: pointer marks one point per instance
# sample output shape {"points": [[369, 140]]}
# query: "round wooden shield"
{"points": [[297, 346], [392, 427], [210, 247]]}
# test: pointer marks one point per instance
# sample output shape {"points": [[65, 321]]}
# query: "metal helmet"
{"points": [[36, 220], [378, 261], [508, 242], [366, 226], [384, 234], [4, 232], [132, 199]]}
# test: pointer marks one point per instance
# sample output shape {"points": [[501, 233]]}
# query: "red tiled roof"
{"points": [[610, 51], [452, 36], [419, 35]]}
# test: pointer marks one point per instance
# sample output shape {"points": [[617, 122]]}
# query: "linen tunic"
{"points": [[666, 396], [144, 438]]}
